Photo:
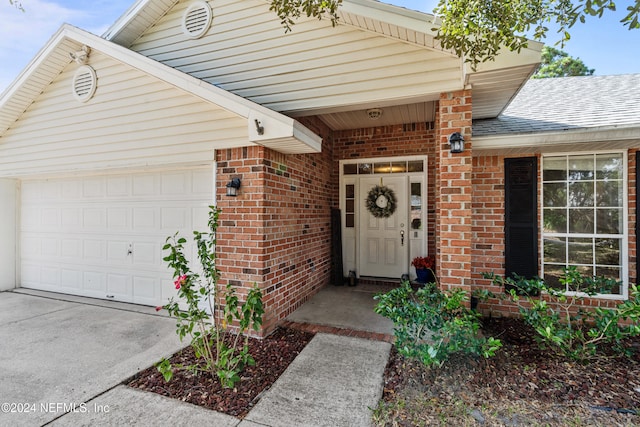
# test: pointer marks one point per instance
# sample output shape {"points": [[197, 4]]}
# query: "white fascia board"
{"points": [[541, 141], [125, 19], [507, 58], [37, 60], [409, 19]]}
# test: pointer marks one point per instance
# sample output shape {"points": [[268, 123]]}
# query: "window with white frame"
{"points": [[583, 216]]}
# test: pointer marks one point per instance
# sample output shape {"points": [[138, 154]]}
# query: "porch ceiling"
{"points": [[390, 115]]}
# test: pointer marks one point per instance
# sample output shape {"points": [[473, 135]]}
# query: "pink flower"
{"points": [[158, 308], [180, 281]]}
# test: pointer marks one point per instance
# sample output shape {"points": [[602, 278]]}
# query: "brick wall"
{"points": [[276, 232], [454, 193]]}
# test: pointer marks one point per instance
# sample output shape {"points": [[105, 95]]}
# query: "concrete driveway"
{"points": [[55, 354]]}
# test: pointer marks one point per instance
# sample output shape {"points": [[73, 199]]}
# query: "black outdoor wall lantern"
{"points": [[232, 187], [456, 142]]}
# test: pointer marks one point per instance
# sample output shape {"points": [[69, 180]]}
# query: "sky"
{"points": [[604, 44]]}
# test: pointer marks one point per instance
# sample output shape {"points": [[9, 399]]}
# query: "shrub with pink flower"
{"points": [[181, 280]]}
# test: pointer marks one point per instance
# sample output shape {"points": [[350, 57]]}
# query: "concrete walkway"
{"points": [[58, 353]]}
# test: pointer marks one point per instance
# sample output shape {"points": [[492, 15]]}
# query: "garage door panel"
{"points": [[146, 253], [118, 186], [174, 218], [93, 188], [146, 290], [118, 252], [50, 218], [119, 287], [71, 248], [145, 218], [94, 219], [145, 185], [94, 281], [102, 236], [50, 247], [70, 218], [119, 219]]}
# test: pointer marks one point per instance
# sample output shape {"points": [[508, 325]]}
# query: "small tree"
{"points": [[556, 63], [224, 351]]}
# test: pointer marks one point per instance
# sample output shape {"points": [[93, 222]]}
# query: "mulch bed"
{"points": [[272, 355], [521, 385]]}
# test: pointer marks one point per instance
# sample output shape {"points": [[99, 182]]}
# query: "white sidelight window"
{"points": [[584, 221]]}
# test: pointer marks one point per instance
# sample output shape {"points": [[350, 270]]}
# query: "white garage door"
{"points": [[102, 236]]}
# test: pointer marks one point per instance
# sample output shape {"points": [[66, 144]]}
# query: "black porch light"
{"points": [[456, 142], [232, 187]]}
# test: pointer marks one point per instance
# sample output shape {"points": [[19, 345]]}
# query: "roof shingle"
{"points": [[568, 103]]}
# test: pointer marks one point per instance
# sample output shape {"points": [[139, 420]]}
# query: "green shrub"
{"points": [[561, 324], [430, 325], [208, 329]]}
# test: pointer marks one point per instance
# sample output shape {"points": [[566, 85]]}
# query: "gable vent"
{"points": [[84, 83], [197, 19]]}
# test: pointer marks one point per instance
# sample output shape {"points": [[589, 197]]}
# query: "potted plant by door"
{"points": [[424, 266]]}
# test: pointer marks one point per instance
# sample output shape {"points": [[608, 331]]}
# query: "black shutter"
{"points": [[521, 216]]}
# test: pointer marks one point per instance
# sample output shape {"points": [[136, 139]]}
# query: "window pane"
{"points": [[608, 251], [581, 194], [350, 206], [350, 220], [609, 194], [552, 274], [365, 168], [555, 250], [398, 167], [416, 166], [609, 221], [382, 167], [555, 169], [350, 192], [555, 194], [610, 273], [555, 220], [609, 166], [581, 168], [350, 169], [581, 221], [580, 251], [416, 205]]}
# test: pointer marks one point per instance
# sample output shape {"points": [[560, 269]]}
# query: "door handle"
{"points": [[401, 237]]}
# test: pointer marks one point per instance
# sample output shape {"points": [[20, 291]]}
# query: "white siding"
{"points": [[313, 68], [133, 120], [8, 209]]}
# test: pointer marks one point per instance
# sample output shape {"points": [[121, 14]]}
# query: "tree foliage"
{"points": [[556, 63], [478, 29], [290, 10], [17, 4]]}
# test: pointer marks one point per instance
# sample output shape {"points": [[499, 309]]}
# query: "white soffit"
{"points": [[54, 57]]}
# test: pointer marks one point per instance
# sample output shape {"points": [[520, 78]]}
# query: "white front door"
{"points": [[384, 242]]}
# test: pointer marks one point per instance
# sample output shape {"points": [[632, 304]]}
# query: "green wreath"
{"points": [[381, 201]]}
